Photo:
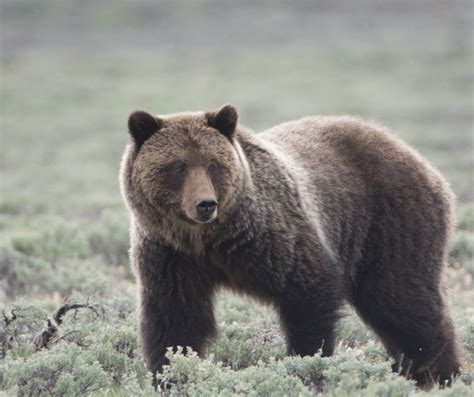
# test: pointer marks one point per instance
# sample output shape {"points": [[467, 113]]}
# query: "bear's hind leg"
{"points": [[309, 322], [415, 327], [448, 364], [308, 332]]}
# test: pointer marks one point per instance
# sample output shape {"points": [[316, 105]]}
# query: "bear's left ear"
{"points": [[223, 120], [142, 126]]}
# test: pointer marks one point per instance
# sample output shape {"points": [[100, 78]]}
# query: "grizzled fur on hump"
{"points": [[305, 216]]}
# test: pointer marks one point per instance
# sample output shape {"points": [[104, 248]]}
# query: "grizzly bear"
{"points": [[304, 216]]}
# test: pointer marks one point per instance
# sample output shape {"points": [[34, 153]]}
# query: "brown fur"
{"points": [[310, 214]]}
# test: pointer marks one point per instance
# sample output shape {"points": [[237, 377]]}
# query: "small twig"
{"points": [[54, 341], [8, 320]]}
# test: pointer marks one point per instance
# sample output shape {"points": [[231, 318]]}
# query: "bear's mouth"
{"points": [[193, 221]]}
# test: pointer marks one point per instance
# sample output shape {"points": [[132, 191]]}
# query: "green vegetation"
{"points": [[71, 72]]}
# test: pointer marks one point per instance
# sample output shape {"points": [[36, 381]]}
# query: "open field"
{"points": [[71, 72]]}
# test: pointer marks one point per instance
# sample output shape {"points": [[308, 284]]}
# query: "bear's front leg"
{"points": [[175, 303]]}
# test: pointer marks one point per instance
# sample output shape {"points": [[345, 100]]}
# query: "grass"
{"points": [[65, 98]]}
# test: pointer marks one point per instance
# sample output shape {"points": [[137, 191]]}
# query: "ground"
{"points": [[72, 72]]}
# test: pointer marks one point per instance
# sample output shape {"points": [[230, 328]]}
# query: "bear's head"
{"points": [[182, 168]]}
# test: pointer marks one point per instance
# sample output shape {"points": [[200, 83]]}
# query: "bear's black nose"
{"points": [[206, 207]]}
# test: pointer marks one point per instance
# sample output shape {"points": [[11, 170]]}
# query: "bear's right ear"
{"points": [[142, 125], [223, 120]]}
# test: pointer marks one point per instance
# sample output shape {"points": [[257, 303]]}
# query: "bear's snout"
{"points": [[206, 208], [199, 196]]}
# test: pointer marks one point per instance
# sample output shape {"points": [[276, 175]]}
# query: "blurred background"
{"points": [[72, 72]]}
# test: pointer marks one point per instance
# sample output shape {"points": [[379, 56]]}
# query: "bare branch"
{"points": [[50, 332]]}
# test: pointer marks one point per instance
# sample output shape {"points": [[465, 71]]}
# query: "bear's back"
{"points": [[379, 156], [365, 182]]}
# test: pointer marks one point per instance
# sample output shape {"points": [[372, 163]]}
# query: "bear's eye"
{"points": [[180, 168], [212, 167]]}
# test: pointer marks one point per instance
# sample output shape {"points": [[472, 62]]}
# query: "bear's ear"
{"points": [[142, 125], [223, 120]]}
